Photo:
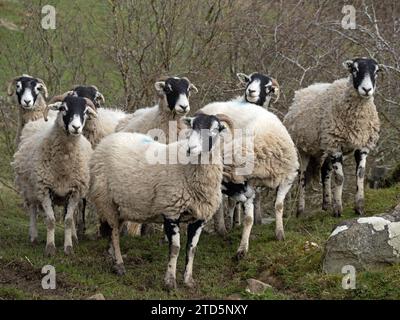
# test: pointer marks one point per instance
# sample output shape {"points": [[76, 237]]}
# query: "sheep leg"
{"points": [[326, 172], [51, 225], [219, 221], [237, 214], [193, 235], [282, 191], [304, 160], [337, 164], [361, 159], [119, 268], [247, 226], [257, 207], [231, 211], [171, 229], [72, 204], [33, 232]]}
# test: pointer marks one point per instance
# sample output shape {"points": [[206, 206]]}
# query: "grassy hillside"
{"points": [[293, 271]]}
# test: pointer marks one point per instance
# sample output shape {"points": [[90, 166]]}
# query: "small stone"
{"points": [[98, 296], [256, 286]]}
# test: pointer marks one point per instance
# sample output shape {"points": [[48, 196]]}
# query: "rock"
{"points": [[98, 296], [256, 286], [365, 243]]}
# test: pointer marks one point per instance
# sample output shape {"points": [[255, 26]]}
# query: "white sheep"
{"points": [[275, 158], [52, 167], [134, 178], [259, 90], [329, 120], [31, 94]]}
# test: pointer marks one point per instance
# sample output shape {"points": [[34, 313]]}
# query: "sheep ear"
{"points": [[188, 121], [160, 85], [243, 78], [348, 64], [55, 106], [192, 87]]}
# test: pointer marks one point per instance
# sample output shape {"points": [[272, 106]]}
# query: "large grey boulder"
{"points": [[365, 243]]}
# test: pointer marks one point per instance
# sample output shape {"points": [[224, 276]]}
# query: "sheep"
{"points": [[31, 95], [96, 128], [259, 91], [330, 120], [173, 103], [162, 120], [275, 159], [127, 184], [52, 167]]}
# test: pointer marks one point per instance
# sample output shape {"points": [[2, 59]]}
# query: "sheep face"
{"points": [[175, 92], [73, 112], [259, 88], [90, 92], [364, 73], [27, 90], [204, 132]]}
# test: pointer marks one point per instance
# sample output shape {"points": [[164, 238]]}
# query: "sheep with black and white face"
{"points": [[330, 120], [31, 94], [52, 168]]}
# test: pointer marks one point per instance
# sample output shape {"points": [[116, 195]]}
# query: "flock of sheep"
{"points": [[72, 149]]}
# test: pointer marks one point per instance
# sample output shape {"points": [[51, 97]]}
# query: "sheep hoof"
{"points": [[119, 269], [189, 282], [359, 211], [68, 250], [240, 254], [50, 250], [337, 213], [170, 282], [222, 232], [280, 235]]}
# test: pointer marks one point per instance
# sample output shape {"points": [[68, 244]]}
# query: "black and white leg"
{"points": [[33, 232], [360, 156], [171, 229], [338, 178], [47, 206], [193, 235], [304, 160], [326, 173]]}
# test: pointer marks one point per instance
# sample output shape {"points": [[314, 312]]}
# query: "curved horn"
{"points": [[10, 86], [224, 118], [91, 109], [277, 90], [45, 92], [90, 103], [101, 96], [60, 97]]}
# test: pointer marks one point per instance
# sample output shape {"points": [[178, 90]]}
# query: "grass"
{"points": [[293, 271]]}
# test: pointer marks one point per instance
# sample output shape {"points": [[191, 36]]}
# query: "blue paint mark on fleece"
{"points": [[146, 140]]}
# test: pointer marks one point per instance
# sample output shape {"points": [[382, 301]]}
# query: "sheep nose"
{"points": [[252, 91], [366, 90], [27, 101], [76, 128], [184, 107]]}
